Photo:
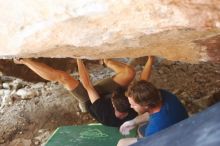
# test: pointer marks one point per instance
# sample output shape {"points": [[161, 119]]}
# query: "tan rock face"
{"points": [[185, 30]]}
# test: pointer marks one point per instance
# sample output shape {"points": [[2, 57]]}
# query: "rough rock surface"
{"points": [[184, 30]]}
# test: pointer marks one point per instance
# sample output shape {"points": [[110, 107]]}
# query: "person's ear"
{"points": [[146, 107]]}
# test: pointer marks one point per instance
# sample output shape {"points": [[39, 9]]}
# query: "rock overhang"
{"points": [[183, 30]]}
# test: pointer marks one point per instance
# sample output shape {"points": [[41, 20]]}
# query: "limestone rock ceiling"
{"points": [[185, 30]]}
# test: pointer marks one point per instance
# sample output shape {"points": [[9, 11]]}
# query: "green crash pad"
{"points": [[86, 135]]}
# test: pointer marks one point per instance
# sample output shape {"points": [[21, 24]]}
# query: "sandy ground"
{"points": [[30, 112]]}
